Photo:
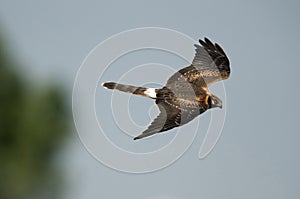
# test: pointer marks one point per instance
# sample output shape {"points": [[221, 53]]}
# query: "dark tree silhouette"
{"points": [[33, 124]]}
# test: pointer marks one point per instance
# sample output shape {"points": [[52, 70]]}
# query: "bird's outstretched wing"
{"points": [[174, 112], [168, 118], [209, 65]]}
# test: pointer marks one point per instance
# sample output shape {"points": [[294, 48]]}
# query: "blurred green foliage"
{"points": [[33, 124]]}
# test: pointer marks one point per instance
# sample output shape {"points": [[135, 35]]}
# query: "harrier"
{"points": [[185, 95]]}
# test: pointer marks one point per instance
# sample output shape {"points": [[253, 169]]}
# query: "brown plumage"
{"points": [[185, 94]]}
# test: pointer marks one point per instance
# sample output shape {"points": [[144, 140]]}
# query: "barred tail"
{"points": [[142, 91]]}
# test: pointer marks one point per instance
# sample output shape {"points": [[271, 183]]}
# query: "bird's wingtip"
{"points": [[136, 138]]}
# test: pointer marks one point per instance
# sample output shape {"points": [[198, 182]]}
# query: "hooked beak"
{"points": [[219, 105]]}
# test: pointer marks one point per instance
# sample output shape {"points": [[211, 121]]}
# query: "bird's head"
{"points": [[214, 101]]}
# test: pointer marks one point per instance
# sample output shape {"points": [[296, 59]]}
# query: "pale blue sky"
{"points": [[258, 153]]}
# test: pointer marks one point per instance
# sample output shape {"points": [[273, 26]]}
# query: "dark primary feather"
{"points": [[217, 56]]}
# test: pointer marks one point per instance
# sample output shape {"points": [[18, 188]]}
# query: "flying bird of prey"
{"points": [[185, 95]]}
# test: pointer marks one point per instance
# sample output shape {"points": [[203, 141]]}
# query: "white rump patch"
{"points": [[150, 92]]}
